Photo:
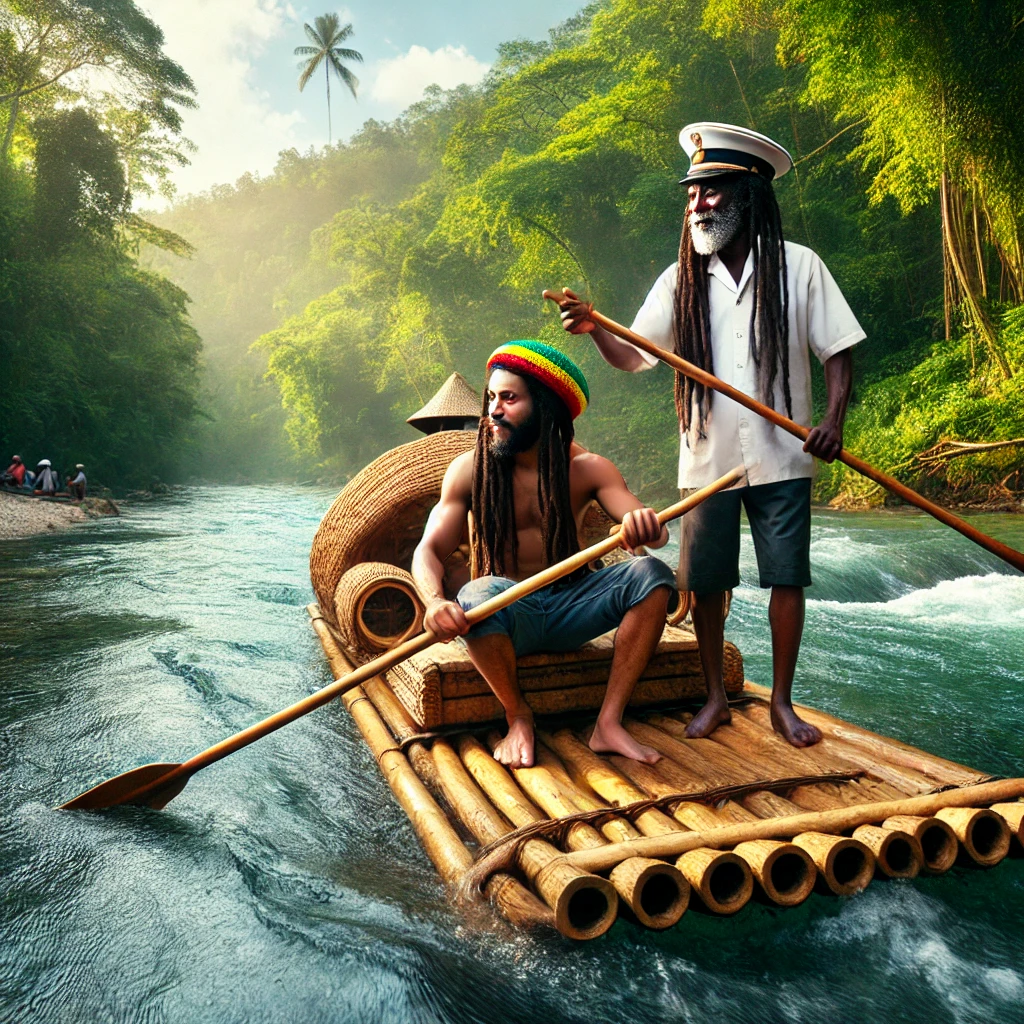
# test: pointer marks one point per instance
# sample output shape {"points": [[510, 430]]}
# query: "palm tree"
{"points": [[325, 34]]}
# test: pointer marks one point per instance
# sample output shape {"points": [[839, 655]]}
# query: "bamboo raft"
{"points": [[571, 840]]}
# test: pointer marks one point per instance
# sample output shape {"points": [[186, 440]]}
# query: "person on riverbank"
{"points": [[748, 306], [78, 483], [14, 474], [47, 480], [528, 485]]}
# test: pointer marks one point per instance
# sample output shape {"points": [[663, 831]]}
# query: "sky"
{"points": [[239, 54]]}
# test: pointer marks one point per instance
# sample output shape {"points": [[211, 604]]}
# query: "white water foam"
{"points": [[993, 600]]}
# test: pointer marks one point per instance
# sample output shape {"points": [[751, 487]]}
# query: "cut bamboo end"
{"points": [[938, 841], [784, 871], [984, 835], [722, 880], [1013, 815], [845, 865], [897, 853], [585, 905], [657, 893]]}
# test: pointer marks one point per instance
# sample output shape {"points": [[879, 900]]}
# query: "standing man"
{"points": [[749, 307]]}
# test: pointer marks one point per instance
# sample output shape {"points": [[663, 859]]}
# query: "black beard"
{"points": [[520, 439]]}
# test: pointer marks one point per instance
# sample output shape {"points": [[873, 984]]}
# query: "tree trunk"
{"points": [[327, 76], [960, 282]]}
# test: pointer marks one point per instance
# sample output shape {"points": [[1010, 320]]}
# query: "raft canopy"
{"points": [[456, 406]]}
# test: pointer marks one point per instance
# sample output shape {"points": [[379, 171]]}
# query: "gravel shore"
{"points": [[23, 517]]}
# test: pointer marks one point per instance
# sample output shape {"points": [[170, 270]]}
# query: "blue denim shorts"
{"points": [[566, 615]]}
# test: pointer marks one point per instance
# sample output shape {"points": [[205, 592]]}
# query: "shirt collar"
{"points": [[717, 269]]}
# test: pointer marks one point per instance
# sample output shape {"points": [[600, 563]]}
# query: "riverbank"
{"points": [[25, 516]]}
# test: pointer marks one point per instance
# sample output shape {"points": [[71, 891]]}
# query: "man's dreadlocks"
{"points": [[769, 314], [493, 501]]}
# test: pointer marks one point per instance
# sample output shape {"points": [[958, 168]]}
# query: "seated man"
{"points": [[47, 481], [14, 475], [528, 485], [77, 485]]}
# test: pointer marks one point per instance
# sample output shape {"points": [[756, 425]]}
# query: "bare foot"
{"points": [[708, 719], [611, 738], [516, 749], [793, 728]]}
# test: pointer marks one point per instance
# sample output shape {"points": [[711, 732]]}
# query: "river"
{"points": [[285, 884]]}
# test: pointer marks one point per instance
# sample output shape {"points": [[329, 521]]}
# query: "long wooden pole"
{"points": [[831, 822], [157, 784], [1001, 550]]}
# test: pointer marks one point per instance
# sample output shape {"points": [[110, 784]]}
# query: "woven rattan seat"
{"points": [[440, 686]]}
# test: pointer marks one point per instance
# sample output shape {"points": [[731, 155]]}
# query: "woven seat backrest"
{"points": [[380, 513]]}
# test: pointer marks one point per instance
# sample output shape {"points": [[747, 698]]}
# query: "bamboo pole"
{"points": [[584, 905], [784, 872], [1013, 815], [714, 763], [830, 822], [499, 786], [401, 724], [851, 737], [722, 879], [845, 865], [440, 841], [680, 365], [775, 756], [984, 835], [655, 892], [938, 842], [897, 854], [871, 757]]}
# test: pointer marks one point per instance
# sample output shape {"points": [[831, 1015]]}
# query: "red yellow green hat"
{"points": [[551, 367]]}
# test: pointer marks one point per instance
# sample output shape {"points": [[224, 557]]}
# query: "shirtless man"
{"points": [[528, 485]]}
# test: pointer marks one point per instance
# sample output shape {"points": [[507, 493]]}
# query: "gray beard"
{"points": [[713, 231]]}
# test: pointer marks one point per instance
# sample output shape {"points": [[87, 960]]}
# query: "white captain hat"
{"points": [[717, 149]]}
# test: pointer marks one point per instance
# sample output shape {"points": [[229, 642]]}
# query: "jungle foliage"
{"points": [[371, 270], [98, 359]]}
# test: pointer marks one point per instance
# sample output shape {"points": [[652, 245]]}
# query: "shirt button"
{"points": [[739, 366], [739, 334]]}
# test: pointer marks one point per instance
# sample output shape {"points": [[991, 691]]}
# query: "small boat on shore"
{"points": [[569, 841]]}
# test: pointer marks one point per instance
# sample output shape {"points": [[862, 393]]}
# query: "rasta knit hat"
{"points": [[546, 364]]}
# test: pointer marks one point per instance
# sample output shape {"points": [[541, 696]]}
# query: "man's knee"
{"points": [[647, 576], [483, 588]]}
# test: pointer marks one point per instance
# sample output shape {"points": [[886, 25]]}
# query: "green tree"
{"points": [[326, 34], [43, 42]]}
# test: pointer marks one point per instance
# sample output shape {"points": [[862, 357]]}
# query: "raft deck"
{"points": [[574, 839]]}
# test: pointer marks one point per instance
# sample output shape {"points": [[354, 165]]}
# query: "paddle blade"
{"points": [[118, 789]]}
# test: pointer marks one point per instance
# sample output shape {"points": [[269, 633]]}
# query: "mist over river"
{"points": [[285, 884]]}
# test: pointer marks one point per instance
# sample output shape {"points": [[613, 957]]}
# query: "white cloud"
{"points": [[218, 42], [401, 80]]}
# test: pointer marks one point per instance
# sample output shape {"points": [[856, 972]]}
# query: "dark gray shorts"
{"points": [[564, 616], [780, 521]]}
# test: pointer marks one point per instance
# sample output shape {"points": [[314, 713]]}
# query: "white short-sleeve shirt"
{"points": [[820, 321]]}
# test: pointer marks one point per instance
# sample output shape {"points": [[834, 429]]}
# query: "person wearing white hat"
{"points": [[78, 483], [47, 481], [746, 305]]}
